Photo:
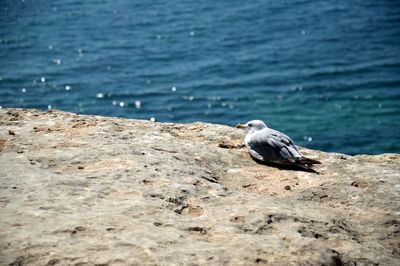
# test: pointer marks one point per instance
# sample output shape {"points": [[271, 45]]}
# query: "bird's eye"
{"points": [[250, 125]]}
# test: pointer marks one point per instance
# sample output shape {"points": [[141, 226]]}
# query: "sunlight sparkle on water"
{"points": [[188, 98], [307, 138]]}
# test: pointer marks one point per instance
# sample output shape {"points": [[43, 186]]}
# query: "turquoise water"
{"points": [[327, 73]]}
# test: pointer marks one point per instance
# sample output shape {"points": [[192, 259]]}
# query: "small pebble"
{"points": [[287, 187]]}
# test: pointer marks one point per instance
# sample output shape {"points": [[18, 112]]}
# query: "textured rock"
{"points": [[93, 190]]}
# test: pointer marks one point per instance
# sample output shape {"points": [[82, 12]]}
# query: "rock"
{"points": [[97, 190]]}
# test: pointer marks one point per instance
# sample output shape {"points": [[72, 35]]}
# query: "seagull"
{"points": [[269, 145]]}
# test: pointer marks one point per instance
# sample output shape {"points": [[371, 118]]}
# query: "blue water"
{"points": [[327, 73]]}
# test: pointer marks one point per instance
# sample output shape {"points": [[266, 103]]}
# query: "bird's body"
{"points": [[269, 145]]}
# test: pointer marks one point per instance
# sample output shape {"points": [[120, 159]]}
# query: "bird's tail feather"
{"points": [[308, 161]]}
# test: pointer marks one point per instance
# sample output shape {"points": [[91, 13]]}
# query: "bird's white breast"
{"points": [[248, 137]]}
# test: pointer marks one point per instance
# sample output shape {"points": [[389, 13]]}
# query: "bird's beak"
{"points": [[240, 126]]}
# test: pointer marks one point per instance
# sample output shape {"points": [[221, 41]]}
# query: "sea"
{"points": [[326, 73]]}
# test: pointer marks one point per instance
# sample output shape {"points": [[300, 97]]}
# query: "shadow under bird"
{"points": [[271, 146]]}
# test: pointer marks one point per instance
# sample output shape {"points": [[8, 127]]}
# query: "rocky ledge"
{"points": [[79, 189]]}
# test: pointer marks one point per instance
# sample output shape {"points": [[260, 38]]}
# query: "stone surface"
{"points": [[93, 190]]}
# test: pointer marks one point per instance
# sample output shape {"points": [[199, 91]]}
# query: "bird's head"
{"points": [[252, 126]]}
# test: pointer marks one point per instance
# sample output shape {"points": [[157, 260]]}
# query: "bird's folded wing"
{"points": [[274, 146]]}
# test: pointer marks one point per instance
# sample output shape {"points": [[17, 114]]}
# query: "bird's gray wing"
{"points": [[274, 146]]}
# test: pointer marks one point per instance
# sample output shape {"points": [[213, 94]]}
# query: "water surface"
{"points": [[327, 73]]}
